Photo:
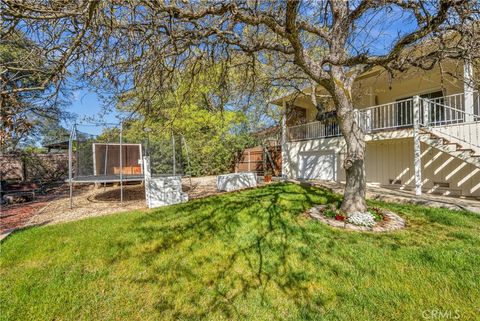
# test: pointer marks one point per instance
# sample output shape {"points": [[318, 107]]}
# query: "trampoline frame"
{"points": [[107, 178], [88, 179], [99, 178]]}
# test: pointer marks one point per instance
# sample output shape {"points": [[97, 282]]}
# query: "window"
{"points": [[441, 184]]}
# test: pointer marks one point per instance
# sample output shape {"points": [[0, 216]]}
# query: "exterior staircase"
{"points": [[450, 130], [456, 149]]}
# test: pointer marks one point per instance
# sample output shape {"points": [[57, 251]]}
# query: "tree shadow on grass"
{"points": [[217, 257]]}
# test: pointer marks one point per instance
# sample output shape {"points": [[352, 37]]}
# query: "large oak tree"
{"points": [[142, 43]]}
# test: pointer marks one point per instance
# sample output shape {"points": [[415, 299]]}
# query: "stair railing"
{"points": [[451, 122]]}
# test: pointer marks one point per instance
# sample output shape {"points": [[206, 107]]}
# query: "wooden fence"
{"points": [[257, 160]]}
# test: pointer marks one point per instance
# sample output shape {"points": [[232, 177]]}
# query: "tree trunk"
{"points": [[354, 165]]}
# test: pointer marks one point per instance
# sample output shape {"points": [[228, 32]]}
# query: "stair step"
{"points": [[465, 155], [452, 146], [440, 145]]}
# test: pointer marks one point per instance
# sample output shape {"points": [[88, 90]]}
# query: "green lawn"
{"points": [[250, 255]]}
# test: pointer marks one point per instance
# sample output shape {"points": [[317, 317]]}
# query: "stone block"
{"points": [[164, 190], [236, 181]]}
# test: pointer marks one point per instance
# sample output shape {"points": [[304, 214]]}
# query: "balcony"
{"points": [[435, 112]]}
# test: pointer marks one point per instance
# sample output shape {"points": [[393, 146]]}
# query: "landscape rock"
{"points": [[361, 219]]}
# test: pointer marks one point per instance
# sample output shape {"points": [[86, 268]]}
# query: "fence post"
{"points": [[73, 135], [121, 163], [468, 90], [417, 162], [147, 176], [173, 157], [284, 139]]}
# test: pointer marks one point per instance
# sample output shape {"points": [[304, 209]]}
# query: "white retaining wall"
{"points": [[235, 181], [162, 190]]}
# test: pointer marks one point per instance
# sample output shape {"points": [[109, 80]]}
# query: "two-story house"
{"points": [[441, 104]]}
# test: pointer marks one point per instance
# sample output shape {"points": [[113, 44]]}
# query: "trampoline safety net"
{"points": [[97, 158]]}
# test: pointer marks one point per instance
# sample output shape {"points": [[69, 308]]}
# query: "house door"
{"points": [[317, 165], [404, 109]]}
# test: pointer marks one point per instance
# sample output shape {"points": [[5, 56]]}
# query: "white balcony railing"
{"points": [[394, 115], [313, 130], [440, 111]]}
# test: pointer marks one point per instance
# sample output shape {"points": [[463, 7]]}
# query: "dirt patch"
{"points": [[17, 215], [201, 187], [130, 194], [91, 201]]}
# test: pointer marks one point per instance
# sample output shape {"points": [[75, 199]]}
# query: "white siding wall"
{"points": [[393, 159]]}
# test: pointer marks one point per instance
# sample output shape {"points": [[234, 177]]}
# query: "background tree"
{"points": [[27, 98], [130, 44], [212, 119], [51, 131]]}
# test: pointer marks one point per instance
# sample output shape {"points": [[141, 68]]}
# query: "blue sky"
{"points": [[88, 106]]}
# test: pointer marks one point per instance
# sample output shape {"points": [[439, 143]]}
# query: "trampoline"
{"points": [[107, 158]]}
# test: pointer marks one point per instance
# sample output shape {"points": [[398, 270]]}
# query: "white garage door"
{"points": [[317, 165]]}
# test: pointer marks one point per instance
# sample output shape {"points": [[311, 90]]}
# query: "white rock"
{"points": [[361, 219], [164, 190]]}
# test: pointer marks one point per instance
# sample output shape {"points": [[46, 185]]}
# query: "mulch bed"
{"points": [[390, 222], [16, 216]]}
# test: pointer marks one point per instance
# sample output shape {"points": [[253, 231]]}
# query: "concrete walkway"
{"points": [[406, 197]]}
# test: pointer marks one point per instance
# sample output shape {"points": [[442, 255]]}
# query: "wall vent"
{"points": [[441, 184]]}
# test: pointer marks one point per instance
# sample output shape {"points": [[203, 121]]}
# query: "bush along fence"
{"points": [[34, 167]]}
